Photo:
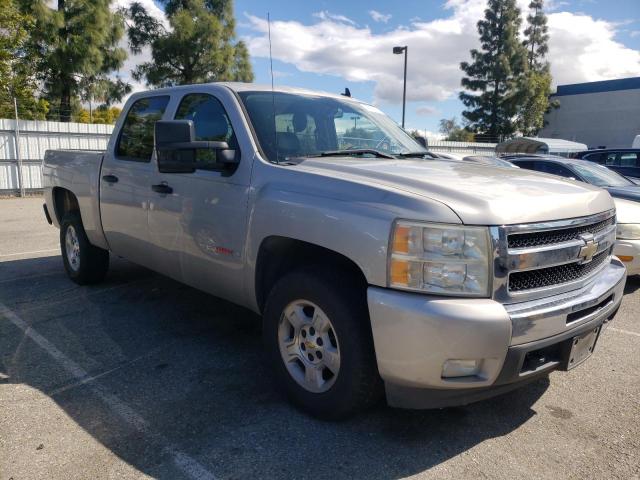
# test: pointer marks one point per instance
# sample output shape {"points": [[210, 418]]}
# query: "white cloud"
{"points": [[379, 17], [328, 16], [552, 5], [581, 49], [425, 110]]}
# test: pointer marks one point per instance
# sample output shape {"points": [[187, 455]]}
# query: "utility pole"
{"points": [[18, 156]]}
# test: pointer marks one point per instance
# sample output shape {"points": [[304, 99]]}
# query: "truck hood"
{"points": [[478, 194]]}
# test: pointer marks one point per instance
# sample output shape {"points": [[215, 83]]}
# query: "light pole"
{"points": [[398, 51]]}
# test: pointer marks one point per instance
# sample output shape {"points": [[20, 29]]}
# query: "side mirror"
{"points": [[422, 141], [176, 147]]}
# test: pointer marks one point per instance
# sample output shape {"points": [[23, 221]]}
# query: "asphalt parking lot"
{"points": [[141, 377]]}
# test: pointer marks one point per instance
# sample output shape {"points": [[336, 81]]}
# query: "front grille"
{"points": [[552, 276], [535, 239]]}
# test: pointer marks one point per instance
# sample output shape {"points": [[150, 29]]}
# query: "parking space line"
{"points": [[51, 250], [188, 465], [84, 381], [628, 332]]}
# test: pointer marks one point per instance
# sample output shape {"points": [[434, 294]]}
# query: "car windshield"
{"points": [[308, 125], [601, 176]]}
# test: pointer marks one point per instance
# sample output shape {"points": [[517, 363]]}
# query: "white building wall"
{"points": [[610, 119]]}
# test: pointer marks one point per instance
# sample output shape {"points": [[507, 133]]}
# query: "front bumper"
{"points": [[629, 248], [414, 335]]}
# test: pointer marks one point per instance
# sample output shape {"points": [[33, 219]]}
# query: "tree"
{"points": [[536, 85], [199, 45], [76, 45], [453, 132], [17, 68], [535, 102], [494, 76], [536, 37], [103, 114]]}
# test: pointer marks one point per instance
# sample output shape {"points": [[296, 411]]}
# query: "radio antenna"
{"points": [[273, 98]]}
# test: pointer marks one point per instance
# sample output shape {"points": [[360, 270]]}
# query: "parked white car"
{"points": [[627, 246]]}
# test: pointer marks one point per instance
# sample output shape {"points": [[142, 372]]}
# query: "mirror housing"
{"points": [[176, 147], [422, 141]]}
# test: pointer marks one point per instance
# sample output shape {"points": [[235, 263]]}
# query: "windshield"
{"points": [[601, 176], [307, 125]]}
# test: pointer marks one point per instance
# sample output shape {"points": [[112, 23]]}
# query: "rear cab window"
{"points": [[136, 135]]}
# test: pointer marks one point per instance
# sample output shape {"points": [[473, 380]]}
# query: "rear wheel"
{"points": [[317, 336], [84, 263]]}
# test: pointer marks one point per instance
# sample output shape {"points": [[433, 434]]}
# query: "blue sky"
{"points": [[329, 45]]}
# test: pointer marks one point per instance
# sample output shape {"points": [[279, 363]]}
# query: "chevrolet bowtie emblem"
{"points": [[588, 251]]}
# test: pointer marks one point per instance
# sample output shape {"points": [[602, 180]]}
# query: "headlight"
{"points": [[442, 259], [628, 231]]}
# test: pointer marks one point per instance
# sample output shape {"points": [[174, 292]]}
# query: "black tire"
{"points": [[93, 261], [358, 384]]}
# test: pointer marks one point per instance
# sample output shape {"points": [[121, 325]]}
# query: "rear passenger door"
{"points": [[124, 182]]}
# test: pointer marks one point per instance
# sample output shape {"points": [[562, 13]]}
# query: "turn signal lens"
{"points": [[625, 258], [400, 272], [401, 240]]}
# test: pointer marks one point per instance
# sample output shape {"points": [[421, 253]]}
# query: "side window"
{"points": [[628, 160], [136, 136], [526, 164], [210, 122], [596, 157], [554, 169], [611, 159]]}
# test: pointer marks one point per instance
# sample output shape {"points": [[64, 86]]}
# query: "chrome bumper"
{"points": [[414, 335]]}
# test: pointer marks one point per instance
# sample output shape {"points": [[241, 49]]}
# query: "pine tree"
{"points": [[17, 68], [536, 36], [76, 43], [198, 47], [535, 87], [494, 75]]}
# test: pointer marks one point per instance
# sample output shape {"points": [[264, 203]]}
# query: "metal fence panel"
{"points": [[36, 137], [469, 148]]}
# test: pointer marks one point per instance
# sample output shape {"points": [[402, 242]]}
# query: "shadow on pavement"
{"points": [[192, 367]]}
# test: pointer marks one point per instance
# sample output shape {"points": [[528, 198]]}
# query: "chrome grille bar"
{"points": [[570, 239]]}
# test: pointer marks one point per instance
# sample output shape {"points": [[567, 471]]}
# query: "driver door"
{"points": [[199, 226]]}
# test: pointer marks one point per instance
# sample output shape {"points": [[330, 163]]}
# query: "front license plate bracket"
{"points": [[580, 348]]}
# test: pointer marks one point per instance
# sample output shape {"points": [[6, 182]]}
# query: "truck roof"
{"points": [[246, 87]]}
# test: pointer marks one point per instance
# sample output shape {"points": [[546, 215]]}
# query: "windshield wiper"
{"points": [[355, 151], [416, 155]]}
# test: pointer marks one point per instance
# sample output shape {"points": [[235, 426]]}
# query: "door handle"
{"points": [[162, 188], [110, 178]]}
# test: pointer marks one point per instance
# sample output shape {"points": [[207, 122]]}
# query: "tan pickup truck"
{"points": [[377, 269]]}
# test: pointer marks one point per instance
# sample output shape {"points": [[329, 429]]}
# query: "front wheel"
{"points": [[84, 263], [317, 336]]}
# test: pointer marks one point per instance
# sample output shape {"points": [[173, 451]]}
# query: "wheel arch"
{"points": [[279, 255], [64, 201]]}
